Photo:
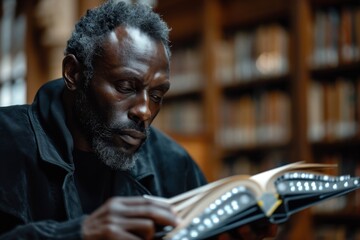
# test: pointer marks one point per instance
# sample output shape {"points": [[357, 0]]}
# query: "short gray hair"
{"points": [[89, 34]]}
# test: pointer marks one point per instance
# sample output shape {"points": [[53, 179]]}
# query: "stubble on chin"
{"points": [[113, 157]]}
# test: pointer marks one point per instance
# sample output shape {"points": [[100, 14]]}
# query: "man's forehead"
{"points": [[127, 42], [126, 36], [125, 46]]}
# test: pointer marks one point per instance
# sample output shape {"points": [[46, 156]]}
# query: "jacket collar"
{"points": [[47, 116]]}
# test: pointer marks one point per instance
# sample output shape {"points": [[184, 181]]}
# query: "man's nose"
{"points": [[140, 111]]}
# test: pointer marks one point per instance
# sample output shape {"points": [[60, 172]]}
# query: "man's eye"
{"points": [[125, 89], [156, 97]]}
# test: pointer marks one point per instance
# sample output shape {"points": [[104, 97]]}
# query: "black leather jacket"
{"points": [[38, 196]]}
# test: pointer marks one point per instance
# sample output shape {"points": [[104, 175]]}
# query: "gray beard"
{"points": [[99, 135], [112, 156]]}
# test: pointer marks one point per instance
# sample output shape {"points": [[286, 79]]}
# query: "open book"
{"points": [[238, 200]]}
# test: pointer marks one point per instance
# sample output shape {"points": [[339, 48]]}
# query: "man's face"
{"points": [[131, 77]]}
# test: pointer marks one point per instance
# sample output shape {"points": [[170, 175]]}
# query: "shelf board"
{"points": [[188, 138], [183, 17], [333, 3], [254, 149], [278, 82], [336, 144], [253, 12], [184, 95], [195, 137], [344, 70]]}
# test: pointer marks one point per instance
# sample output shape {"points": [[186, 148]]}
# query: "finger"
{"points": [[139, 226], [118, 203], [143, 228], [142, 208], [108, 232], [134, 201], [158, 215]]}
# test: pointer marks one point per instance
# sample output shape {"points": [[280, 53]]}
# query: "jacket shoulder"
{"points": [[16, 135], [14, 122], [16, 148]]}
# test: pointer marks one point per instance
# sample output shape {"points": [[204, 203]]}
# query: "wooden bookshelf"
{"points": [[215, 27]]}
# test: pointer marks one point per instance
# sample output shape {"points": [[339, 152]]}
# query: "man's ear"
{"points": [[72, 72]]}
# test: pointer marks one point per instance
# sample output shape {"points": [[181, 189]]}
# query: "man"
{"points": [[77, 161]]}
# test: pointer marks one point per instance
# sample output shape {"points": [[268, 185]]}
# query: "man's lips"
{"points": [[132, 137]]}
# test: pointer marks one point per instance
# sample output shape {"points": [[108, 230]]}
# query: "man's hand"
{"points": [[127, 218]]}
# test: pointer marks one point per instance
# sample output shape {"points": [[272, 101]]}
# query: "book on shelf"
{"points": [[241, 199], [225, 62], [332, 109], [336, 36], [325, 38], [260, 53], [186, 65], [349, 49], [181, 117], [255, 119]]}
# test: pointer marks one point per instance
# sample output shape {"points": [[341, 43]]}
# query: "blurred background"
{"points": [[255, 84]]}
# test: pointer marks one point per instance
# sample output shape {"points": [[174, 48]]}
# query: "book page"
{"points": [[266, 179]]}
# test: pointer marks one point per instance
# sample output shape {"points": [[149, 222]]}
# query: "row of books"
{"points": [[252, 119], [336, 36], [263, 51], [248, 55], [255, 119], [333, 109], [181, 117], [186, 70], [251, 165]]}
